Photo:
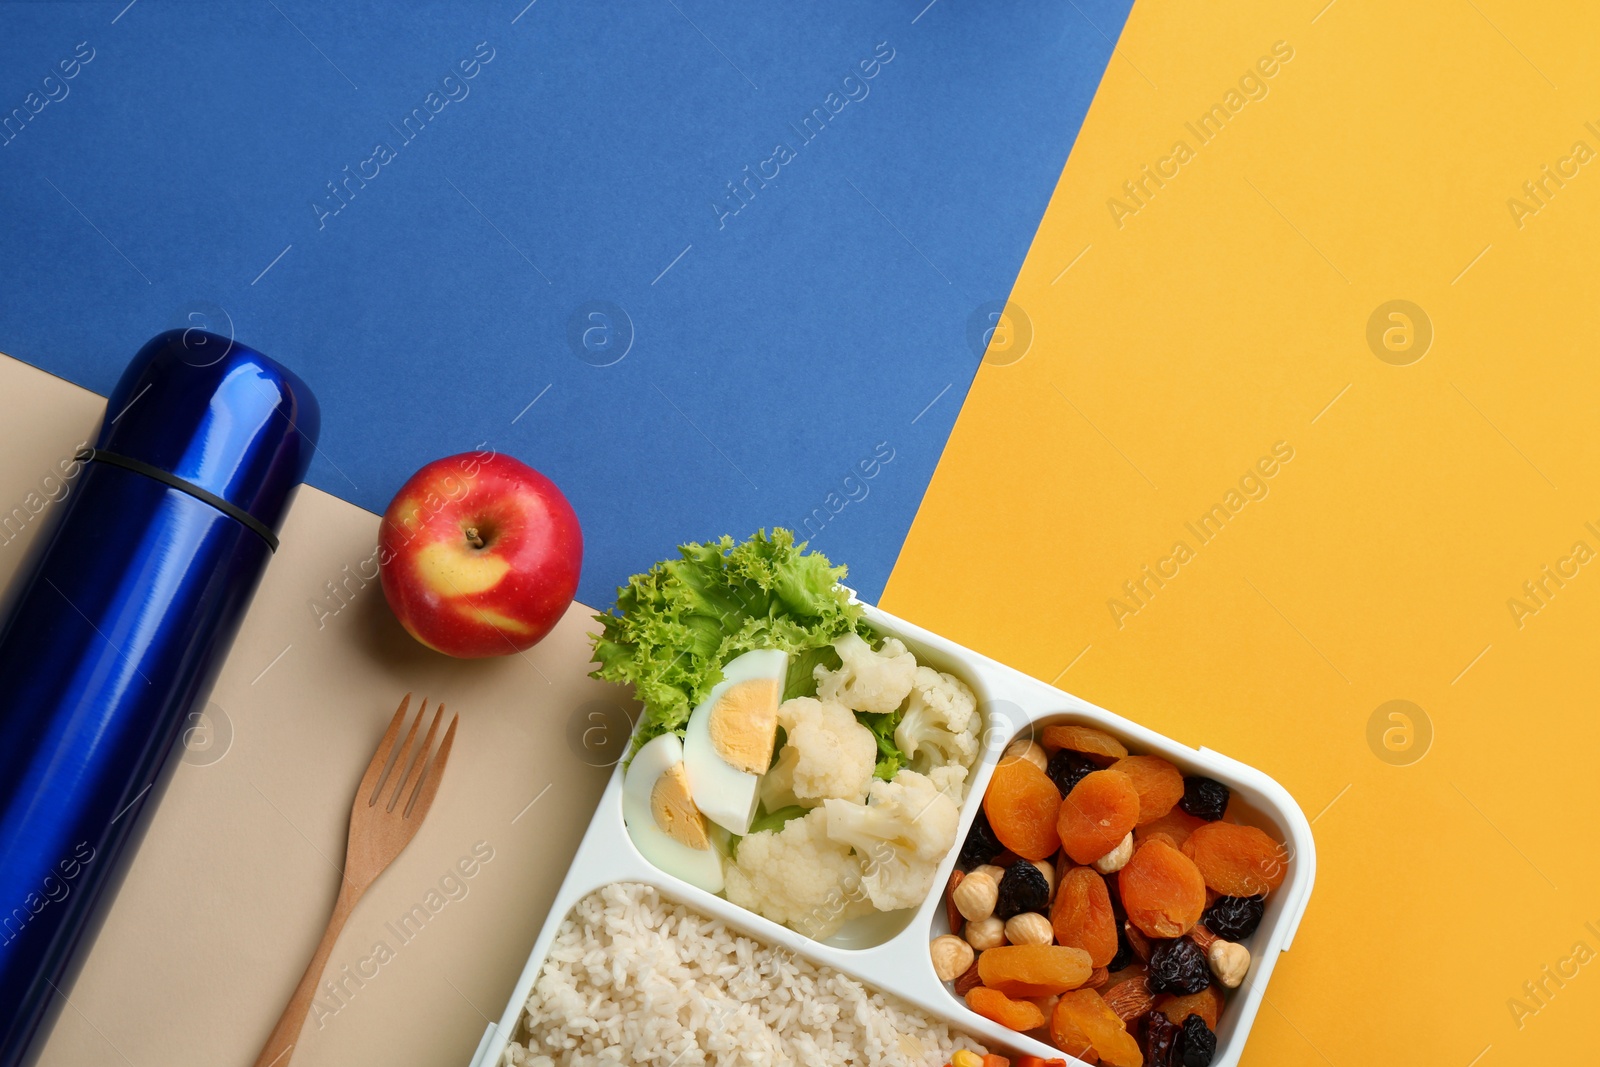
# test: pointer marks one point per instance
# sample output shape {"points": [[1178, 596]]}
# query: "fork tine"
{"points": [[403, 760], [422, 799], [380, 759], [418, 765]]}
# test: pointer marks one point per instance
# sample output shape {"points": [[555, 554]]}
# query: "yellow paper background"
{"points": [[1226, 315]]}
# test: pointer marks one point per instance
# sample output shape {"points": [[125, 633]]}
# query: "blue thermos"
{"points": [[114, 631]]}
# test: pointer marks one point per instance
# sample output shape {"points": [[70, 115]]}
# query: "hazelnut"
{"points": [[1022, 748], [951, 957], [1049, 873], [986, 933], [991, 870], [1029, 928], [975, 896], [1117, 858], [1229, 962]]}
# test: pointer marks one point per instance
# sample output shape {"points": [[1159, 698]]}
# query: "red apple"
{"points": [[479, 555]]}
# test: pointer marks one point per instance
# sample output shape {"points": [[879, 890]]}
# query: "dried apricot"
{"points": [[1162, 890], [1086, 1013], [1066, 1036], [1177, 824], [1015, 1014], [1207, 1004], [1082, 916], [1237, 861], [1082, 739], [1022, 805], [1096, 815], [1033, 970], [1158, 783]]}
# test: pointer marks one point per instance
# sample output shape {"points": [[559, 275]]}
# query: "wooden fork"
{"points": [[379, 830]]}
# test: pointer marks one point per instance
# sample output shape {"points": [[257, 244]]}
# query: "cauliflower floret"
{"points": [[941, 722], [900, 835], [866, 680], [949, 780], [799, 877], [826, 752]]}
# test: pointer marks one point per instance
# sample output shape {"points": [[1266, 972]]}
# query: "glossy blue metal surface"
{"points": [[217, 414], [112, 635]]}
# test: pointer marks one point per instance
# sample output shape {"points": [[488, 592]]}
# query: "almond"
{"points": [[952, 912], [1137, 941], [1129, 998], [968, 981]]}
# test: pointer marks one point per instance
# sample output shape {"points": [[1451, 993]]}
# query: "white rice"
{"points": [[634, 979]]}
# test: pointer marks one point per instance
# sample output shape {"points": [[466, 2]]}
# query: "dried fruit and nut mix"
{"points": [[1101, 901]]}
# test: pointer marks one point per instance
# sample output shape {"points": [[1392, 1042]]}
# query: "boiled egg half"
{"points": [[666, 827], [728, 745]]}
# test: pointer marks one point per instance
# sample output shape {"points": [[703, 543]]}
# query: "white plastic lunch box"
{"points": [[889, 951]]}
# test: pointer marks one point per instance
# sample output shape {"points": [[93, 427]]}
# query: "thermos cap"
{"points": [[213, 415]]}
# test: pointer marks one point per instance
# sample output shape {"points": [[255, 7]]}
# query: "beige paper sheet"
{"points": [[228, 895]]}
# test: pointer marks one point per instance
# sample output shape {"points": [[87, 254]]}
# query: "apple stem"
{"points": [[473, 537]]}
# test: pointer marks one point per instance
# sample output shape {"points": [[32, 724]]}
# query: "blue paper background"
{"points": [[829, 315]]}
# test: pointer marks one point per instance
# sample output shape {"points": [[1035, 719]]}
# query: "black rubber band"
{"points": [[233, 511]]}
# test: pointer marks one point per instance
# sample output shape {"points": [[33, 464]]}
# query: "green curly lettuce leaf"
{"points": [[890, 756], [802, 677], [675, 625]]}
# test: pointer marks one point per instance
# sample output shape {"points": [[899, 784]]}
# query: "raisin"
{"points": [[981, 845], [1097, 815], [1237, 861], [1022, 888], [1199, 1044], [1082, 915], [1235, 918], [1067, 768], [1022, 805], [1161, 1038], [1124, 957], [1178, 966], [1204, 798], [1162, 890], [1159, 784]]}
